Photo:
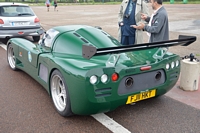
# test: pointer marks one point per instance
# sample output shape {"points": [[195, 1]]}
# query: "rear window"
{"points": [[15, 11]]}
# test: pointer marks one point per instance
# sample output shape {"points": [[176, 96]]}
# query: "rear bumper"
{"points": [[104, 104], [19, 32], [104, 97]]}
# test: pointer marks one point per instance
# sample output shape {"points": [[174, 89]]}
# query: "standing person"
{"points": [[158, 27], [47, 4], [130, 14], [55, 5]]}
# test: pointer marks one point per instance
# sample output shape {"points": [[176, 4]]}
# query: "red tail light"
{"points": [[1, 21], [145, 68], [36, 20], [21, 33], [115, 77]]}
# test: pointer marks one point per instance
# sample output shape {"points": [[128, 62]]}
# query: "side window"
{"points": [[49, 37]]}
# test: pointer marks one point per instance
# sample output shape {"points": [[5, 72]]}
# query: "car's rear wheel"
{"points": [[36, 38], [60, 94], [4, 40], [11, 57]]}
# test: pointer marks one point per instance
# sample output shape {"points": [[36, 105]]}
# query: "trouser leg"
{"points": [[124, 40]]}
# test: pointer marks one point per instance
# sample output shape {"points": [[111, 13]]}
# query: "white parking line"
{"points": [[110, 123], [102, 118], [3, 46]]}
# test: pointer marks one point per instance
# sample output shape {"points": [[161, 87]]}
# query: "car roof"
{"points": [[65, 28], [12, 3]]}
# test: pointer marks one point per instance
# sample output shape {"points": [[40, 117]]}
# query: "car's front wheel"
{"points": [[36, 38], [60, 94], [11, 57]]}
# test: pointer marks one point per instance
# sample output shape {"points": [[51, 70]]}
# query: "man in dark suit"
{"points": [[130, 14]]}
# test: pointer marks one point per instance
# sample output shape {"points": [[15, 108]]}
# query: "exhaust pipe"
{"points": [[129, 82], [158, 75]]}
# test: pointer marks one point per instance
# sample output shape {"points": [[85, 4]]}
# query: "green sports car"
{"points": [[86, 71]]}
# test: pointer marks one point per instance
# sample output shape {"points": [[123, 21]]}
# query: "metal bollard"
{"points": [[190, 69]]}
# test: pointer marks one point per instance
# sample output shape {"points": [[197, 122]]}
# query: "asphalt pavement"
{"points": [[26, 106], [191, 98]]}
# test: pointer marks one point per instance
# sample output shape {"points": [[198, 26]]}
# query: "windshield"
{"points": [[15, 11], [48, 38]]}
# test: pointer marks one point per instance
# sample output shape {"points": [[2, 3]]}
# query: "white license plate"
{"points": [[19, 23]]}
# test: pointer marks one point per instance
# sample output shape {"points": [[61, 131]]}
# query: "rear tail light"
{"points": [[172, 64], [104, 78], [177, 63], [167, 66], [93, 79], [1, 21], [145, 68], [115, 77], [21, 33], [36, 20]]}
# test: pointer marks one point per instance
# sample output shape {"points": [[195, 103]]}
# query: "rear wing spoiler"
{"points": [[89, 51]]}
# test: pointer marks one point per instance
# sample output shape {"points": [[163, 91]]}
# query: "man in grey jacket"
{"points": [[158, 28]]}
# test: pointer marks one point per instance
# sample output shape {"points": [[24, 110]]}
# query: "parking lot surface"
{"points": [[26, 106]]}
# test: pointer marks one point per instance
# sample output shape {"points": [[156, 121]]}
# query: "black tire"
{"points": [[11, 57], [4, 40], [60, 94], [36, 38]]}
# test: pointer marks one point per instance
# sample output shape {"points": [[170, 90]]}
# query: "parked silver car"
{"points": [[18, 20]]}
